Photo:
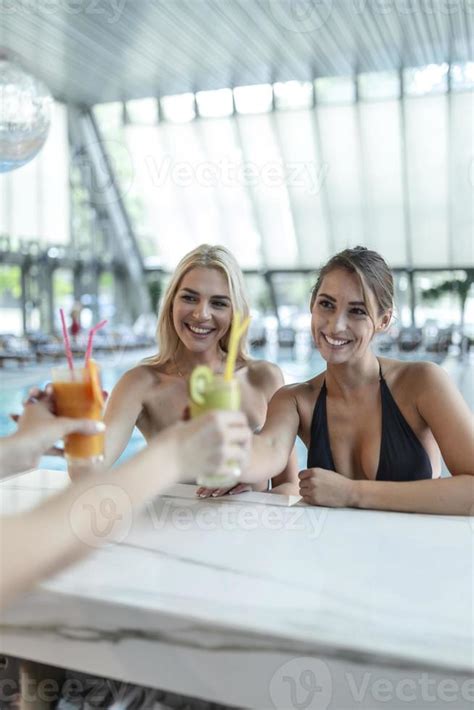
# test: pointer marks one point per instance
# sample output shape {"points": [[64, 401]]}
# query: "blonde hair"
{"points": [[208, 257]]}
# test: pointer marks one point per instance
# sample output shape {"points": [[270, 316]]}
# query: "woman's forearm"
{"points": [[286, 489], [442, 496], [266, 460], [16, 454], [85, 516], [287, 482]]}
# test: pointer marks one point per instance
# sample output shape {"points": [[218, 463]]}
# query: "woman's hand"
{"points": [[215, 492], [318, 486], [38, 430], [216, 441], [46, 397]]}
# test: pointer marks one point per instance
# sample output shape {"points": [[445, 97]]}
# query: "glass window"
{"points": [[215, 104], [263, 173], [109, 116], [178, 109], [293, 294], [258, 294], [402, 310], [340, 147], [432, 79], [142, 111], [63, 289], [335, 90], [293, 94], [384, 224], [107, 295], [305, 177], [10, 300], [461, 176], [462, 76], [253, 99], [375, 86], [441, 307], [427, 159]]}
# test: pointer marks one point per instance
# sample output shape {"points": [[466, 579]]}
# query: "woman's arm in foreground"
{"points": [[448, 416], [73, 523], [38, 429]]}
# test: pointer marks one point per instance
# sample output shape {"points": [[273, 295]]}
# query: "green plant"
{"points": [[154, 288], [459, 287]]}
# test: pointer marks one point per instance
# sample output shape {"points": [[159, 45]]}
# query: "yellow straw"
{"points": [[237, 331]]}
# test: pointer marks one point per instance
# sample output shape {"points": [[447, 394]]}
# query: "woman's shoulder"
{"points": [[264, 375], [263, 369], [142, 376], [410, 375]]}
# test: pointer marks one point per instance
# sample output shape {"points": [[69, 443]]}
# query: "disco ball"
{"points": [[25, 106]]}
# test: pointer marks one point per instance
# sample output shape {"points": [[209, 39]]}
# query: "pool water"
{"points": [[16, 383], [297, 366]]}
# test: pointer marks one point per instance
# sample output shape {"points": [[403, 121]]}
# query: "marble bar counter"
{"points": [[252, 604]]}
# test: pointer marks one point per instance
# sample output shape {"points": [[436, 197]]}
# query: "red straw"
{"points": [[67, 344], [92, 332]]}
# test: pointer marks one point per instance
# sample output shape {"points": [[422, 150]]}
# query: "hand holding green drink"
{"points": [[208, 391]]}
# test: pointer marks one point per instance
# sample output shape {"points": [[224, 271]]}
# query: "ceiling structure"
{"points": [[142, 48], [283, 189]]}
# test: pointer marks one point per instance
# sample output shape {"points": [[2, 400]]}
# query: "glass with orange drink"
{"points": [[78, 394]]}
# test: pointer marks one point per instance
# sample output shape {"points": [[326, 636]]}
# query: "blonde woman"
{"points": [[194, 329]]}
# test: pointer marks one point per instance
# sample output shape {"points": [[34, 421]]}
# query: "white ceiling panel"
{"points": [[105, 50]]}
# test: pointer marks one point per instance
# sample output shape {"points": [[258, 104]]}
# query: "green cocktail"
{"points": [[208, 392]]}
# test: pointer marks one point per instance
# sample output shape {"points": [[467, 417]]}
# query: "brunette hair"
{"points": [[372, 271]]}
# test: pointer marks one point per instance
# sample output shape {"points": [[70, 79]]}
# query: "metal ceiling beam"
{"points": [[106, 198]]}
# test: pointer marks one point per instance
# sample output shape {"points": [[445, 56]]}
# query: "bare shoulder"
{"points": [[416, 376], [140, 378], [303, 392], [265, 375], [420, 384]]}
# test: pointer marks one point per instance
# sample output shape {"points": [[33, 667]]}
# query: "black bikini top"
{"points": [[402, 457]]}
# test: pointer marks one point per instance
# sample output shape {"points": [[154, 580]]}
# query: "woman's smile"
{"points": [[199, 331], [202, 309], [336, 342]]}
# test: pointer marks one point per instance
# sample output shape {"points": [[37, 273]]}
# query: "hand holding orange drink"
{"points": [[78, 394]]}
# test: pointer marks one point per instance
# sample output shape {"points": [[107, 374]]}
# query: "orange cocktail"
{"points": [[78, 394]]}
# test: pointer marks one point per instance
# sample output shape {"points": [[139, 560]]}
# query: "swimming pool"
{"points": [[297, 365]]}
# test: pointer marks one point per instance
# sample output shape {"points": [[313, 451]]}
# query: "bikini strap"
{"points": [[381, 378]]}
